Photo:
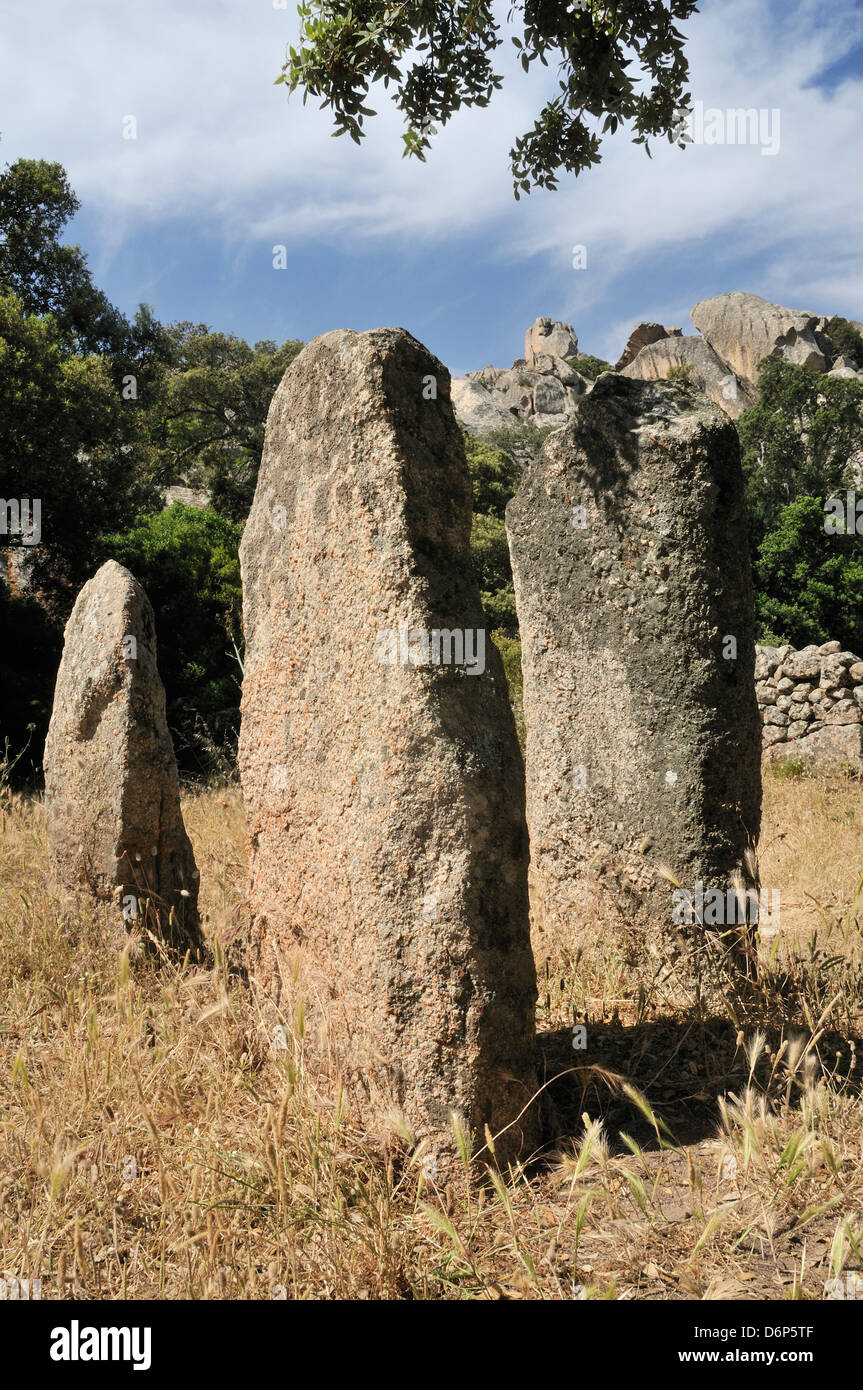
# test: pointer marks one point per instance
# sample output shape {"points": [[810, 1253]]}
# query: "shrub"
{"points": [[589, 366], [846, 339], [510, 651], [187, 561]]}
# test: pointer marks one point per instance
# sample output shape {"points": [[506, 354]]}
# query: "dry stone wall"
{"points": [[811, 701]]}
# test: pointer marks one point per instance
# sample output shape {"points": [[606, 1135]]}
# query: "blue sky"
{"points": [[223, 168]]}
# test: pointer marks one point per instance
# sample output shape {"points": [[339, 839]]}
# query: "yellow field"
{"points": [[153, 1146]]}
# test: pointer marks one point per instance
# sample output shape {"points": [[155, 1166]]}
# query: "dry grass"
{"points": [[152, 1146]]}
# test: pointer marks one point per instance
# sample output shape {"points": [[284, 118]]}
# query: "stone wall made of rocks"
{"points": [[811, 702]]}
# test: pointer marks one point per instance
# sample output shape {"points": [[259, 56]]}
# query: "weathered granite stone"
{"points": [[773, 734], [549, 337], [817, 688], [642, 335], [823, 747], [743, 328], [628, 543], [843, 712], [112, 802], [479, 410], [704, 368], [380, 767], [803, 665]]}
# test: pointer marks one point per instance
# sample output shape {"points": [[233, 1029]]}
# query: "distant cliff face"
{"points": [[735, 331]]}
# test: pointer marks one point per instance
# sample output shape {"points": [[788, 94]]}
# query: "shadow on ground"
{"points": [[680, 1066]]}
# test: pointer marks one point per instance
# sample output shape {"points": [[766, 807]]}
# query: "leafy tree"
{"points": [[798, 439], [36, 202], [510, 651], [490, 551], [494, 475], [188, 563], [437, 57], [809, 583], [846, 339], [589, 366], [207, 426], [68, 439]]}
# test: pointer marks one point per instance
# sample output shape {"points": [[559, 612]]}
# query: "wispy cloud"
{"points": [[219, 150]]}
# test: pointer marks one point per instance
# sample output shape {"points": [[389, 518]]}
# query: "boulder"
{"points": [[548, 337], [478, 409], [112, 798], [642, 335], [743, 328], [826, 747], [199, 498], [549, 398], [706, 372], [803, 665]]}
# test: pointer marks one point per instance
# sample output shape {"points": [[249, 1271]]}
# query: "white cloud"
{"points": [[218, 144]]}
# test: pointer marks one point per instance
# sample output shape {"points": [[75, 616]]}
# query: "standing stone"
{"points": [[381, 771], [629, 555], [112, 799]]}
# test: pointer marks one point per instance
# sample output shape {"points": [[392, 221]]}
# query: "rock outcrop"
{"points": [[743, 328], [112, 801], [737, 331], [549, 338], [380, 766], [642, 335], [478, 409], [629, 555], [703, 368]]}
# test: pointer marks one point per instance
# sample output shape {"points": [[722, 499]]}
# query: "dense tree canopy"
{"points": [[187, 561], [798, 440], [618, 61], [49, 277], [809, 584], [208, 422], [798, 447], [98, 415], [68, 438]]}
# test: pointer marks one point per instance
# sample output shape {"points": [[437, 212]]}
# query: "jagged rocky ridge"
{"points": [[735, 331]]}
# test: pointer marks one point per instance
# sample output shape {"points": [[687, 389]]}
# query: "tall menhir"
{"points": [[112, 796], [380, 767], [635, 606]]}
